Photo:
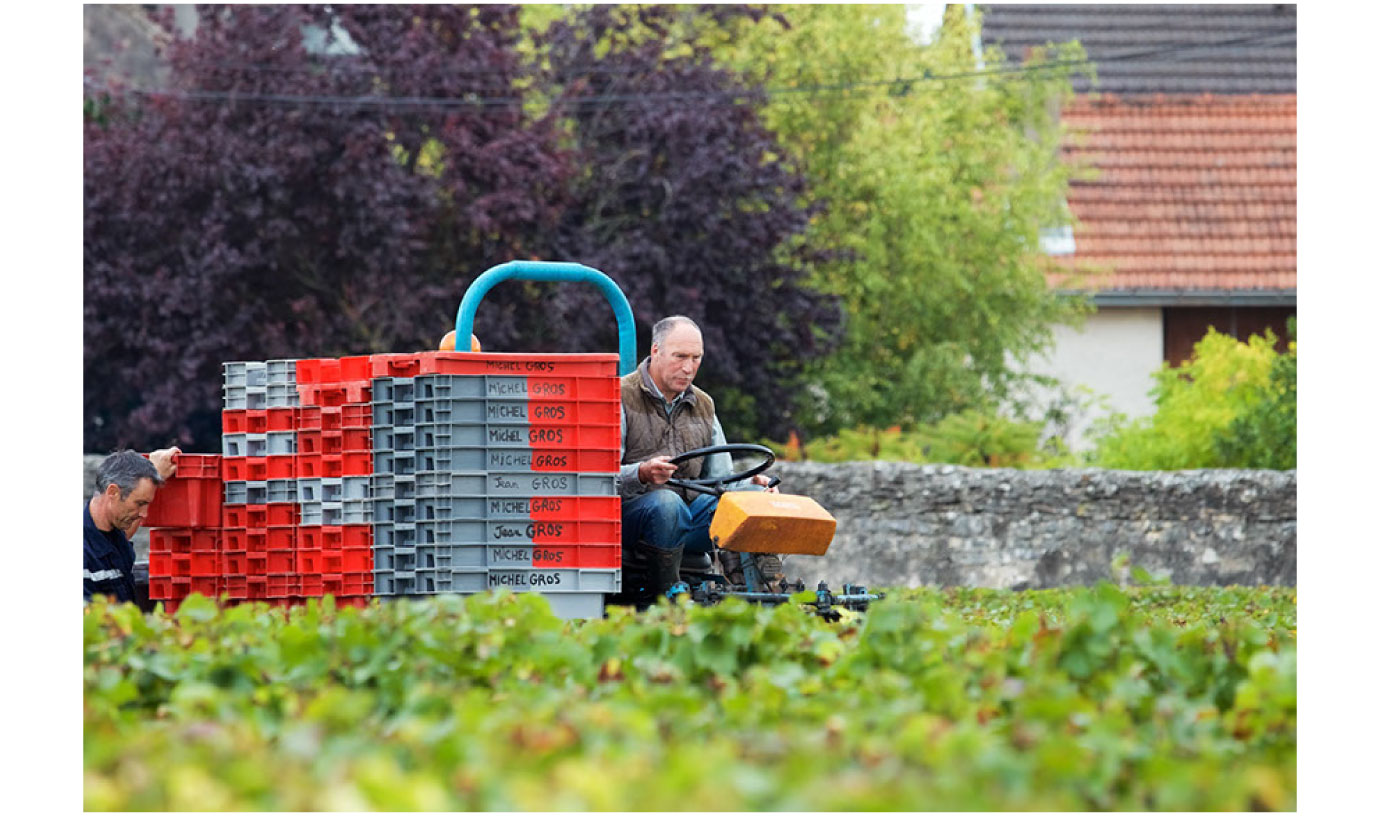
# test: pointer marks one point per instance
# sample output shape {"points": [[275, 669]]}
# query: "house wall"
{"points": [[1114, 354]]}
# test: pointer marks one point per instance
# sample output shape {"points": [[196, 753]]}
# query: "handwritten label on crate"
{"points": [[530, 579]]}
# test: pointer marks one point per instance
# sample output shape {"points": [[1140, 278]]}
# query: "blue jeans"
{"points": [[663, 520]]}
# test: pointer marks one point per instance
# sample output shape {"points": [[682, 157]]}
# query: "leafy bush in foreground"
{"points": [[1148, 698]]}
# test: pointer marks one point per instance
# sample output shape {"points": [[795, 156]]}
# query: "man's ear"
{"points": [[112, 492]]}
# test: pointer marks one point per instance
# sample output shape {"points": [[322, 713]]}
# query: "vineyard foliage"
{"points": [[1106, 698]]}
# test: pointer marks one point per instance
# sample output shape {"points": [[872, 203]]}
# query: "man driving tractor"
{"points": [[664, 415]]}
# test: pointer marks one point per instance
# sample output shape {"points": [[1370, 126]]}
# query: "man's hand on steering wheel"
{"points": [[656, 470], [766, 483]]}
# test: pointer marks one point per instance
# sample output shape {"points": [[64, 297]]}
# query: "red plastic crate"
{"points": [[160, 587], [332, 418], [574, 412], [332, 560], [282, 586], [334, 466], [507, 363], [234, 469], [309, 417], [170, 540], [281, 561], [188, 501], [360, 416], [198, 466], [309, 465], [357, 439], [160, 564], [181, 565], [395, 365], [208, 586], [575, 508], [281, 418], [256, 421], [282, 537], [333, 584], [580, 436], [331, 442], [256, 587], [236, 516], [235, 587], [357, 536], [256, 540], [234, 421], [236, 538], [356, 464], [281, 466], [205, 541], [311, 585], [357, 559], [584, 556], [256, 564], [256, 516], [204, 564], [309, 442], [282, 513], [234, 563], [357, 583], [309, 561], [572, 460], [359, 602]]}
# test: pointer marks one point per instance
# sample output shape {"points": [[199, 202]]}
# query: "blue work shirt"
{"points": [[107, 561]]}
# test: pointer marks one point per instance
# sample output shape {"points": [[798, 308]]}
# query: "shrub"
{"points": [[1212, 412]]}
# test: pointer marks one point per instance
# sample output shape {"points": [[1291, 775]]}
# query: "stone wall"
{"points": [[908, 525], [911, 525]]}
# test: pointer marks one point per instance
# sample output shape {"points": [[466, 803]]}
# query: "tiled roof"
{"points": [[1190, 193], [1175, 49]]}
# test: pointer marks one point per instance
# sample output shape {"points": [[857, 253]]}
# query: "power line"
{"points": [[475, 100]]}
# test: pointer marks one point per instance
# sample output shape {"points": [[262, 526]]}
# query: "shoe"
{"points": [[665, 566], [769, 565]]}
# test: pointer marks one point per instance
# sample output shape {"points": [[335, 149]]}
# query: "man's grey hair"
{"points": [[124, 469], [664, 326]]}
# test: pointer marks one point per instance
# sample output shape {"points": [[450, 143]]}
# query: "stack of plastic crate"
{"points": [[497, 470], [334, 468], [185, 532], [258, 447]]}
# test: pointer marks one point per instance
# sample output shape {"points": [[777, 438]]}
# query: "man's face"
{"points": [[675, 361], [123, 512]]}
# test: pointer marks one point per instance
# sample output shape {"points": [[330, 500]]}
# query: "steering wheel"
{"points": [[714, 486]]}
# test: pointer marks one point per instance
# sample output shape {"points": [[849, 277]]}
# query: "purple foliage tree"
{"points": [[326, 180]]}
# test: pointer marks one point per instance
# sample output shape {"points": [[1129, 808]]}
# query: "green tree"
{"points": [[936, 185], [1265, 434]]}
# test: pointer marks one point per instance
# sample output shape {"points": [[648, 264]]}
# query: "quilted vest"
{"points": [[651, 433]]}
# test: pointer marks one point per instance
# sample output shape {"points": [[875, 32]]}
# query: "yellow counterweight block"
{"points": [[759, 522]]}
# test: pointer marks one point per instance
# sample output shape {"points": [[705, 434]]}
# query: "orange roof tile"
{"points": [[1187, 193]]}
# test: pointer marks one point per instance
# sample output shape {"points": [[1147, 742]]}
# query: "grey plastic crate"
{"points": [[505, 411], [256, 445], [234, 445], [394, 510], [233, 373], [332, 489], [394, 583], [394, 438], [451, 386], [451, 410], [282, 395], [505, 388], [395, 558], [555, 581], [450, 532], [235, 398], [381, 486], [308, 489], [576, 605], [356, 511], [395, 534], [282, 490], [281, 371], [549, 484], [355, 487], [455, 507], [312, 513], [281, 442], [393, 390], [256, 397], [332, 513], [433, 558], [236, 492], [256, 374], [451, 459], [397, 463], [437, 484], [506, 556]]}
